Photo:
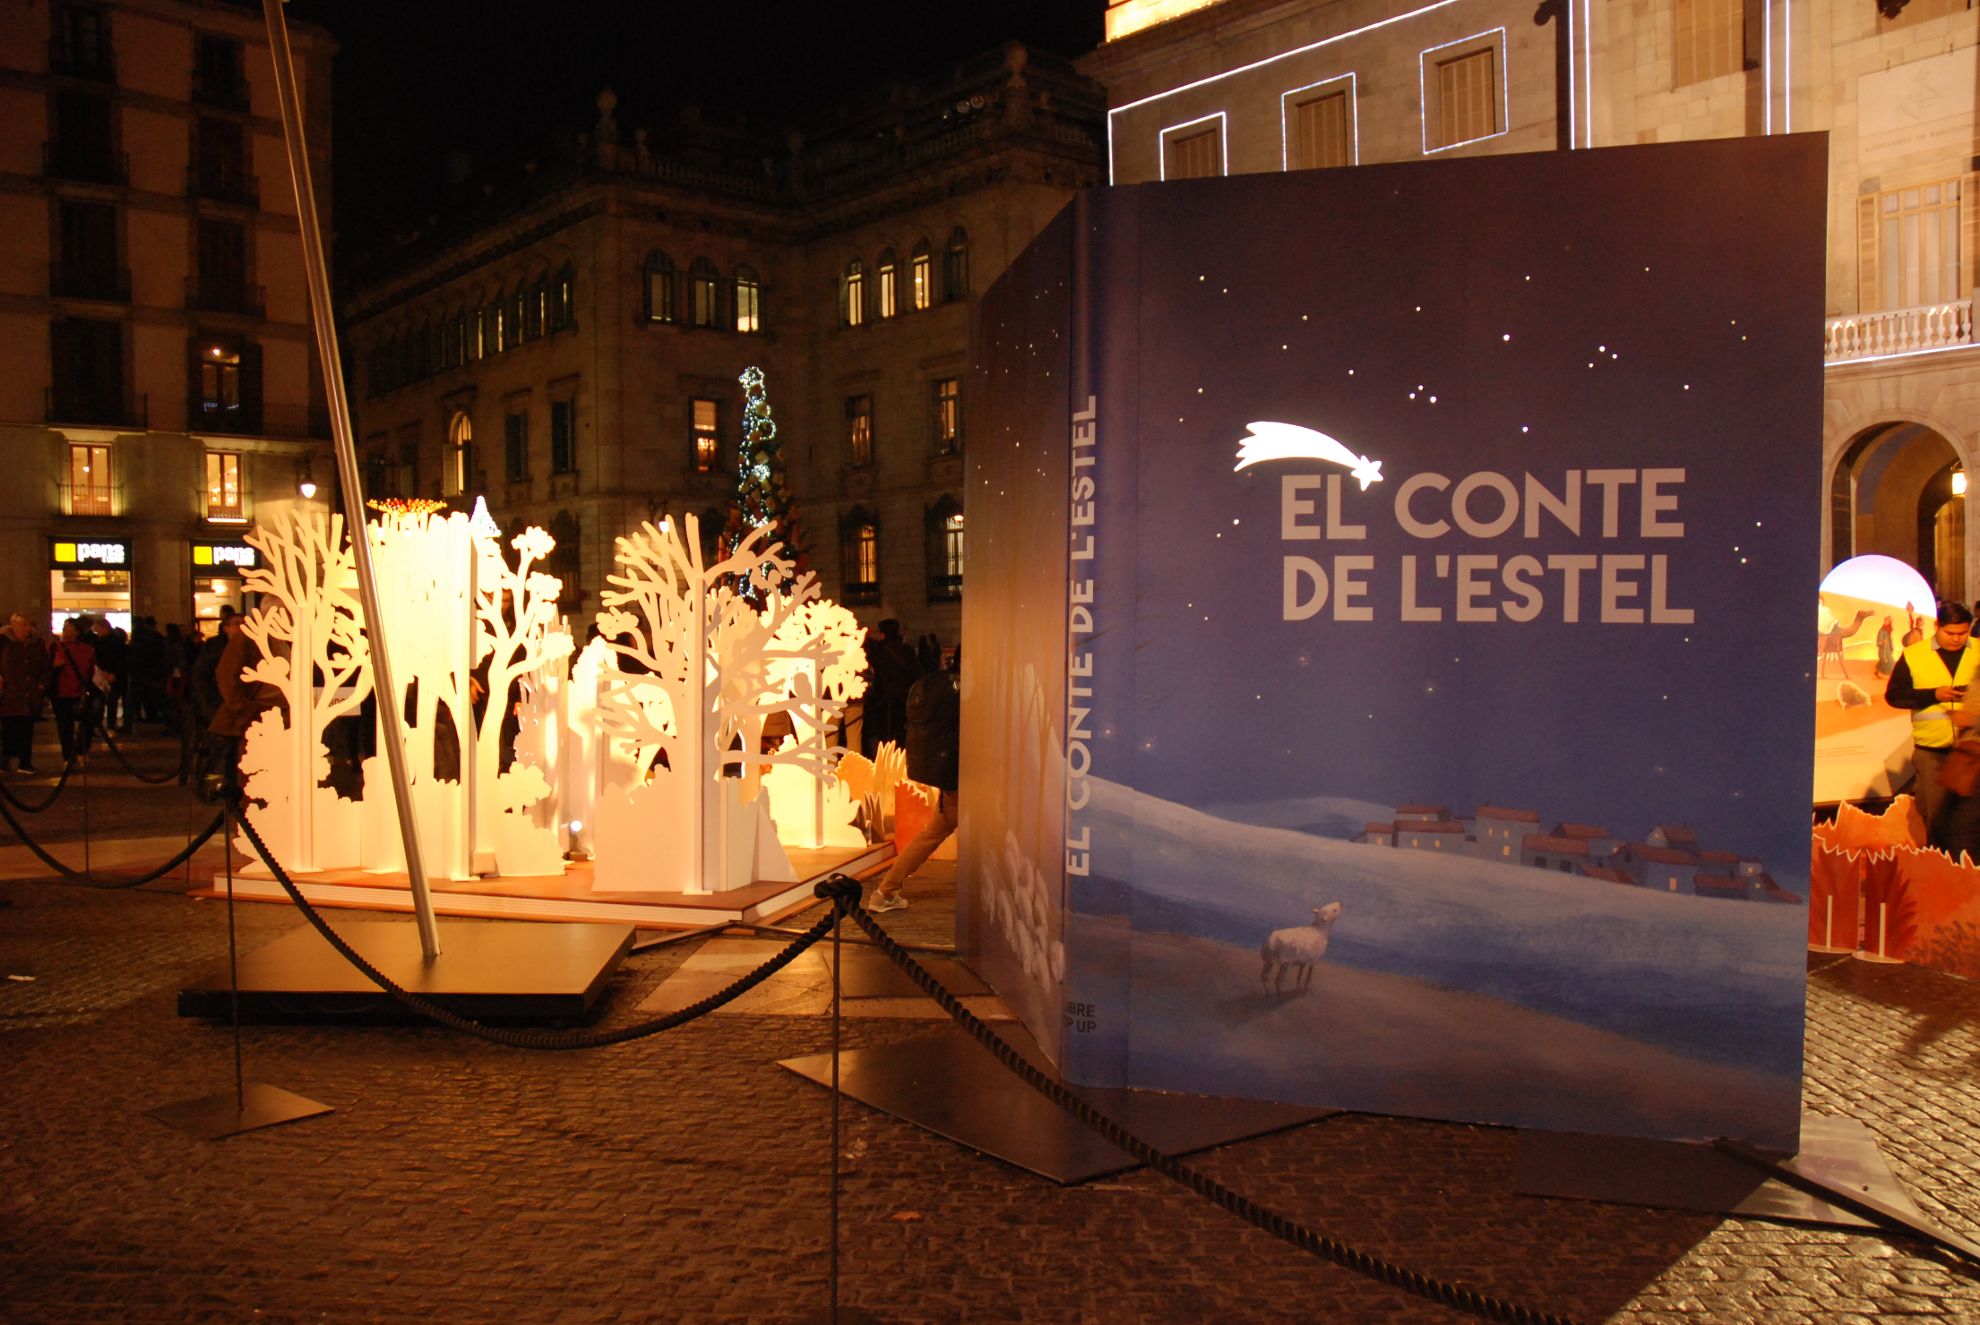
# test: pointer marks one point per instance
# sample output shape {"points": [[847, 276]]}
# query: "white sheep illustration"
{"points": [[1303, 947]]}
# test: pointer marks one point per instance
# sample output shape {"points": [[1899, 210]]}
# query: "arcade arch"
{"points": [[1891, 492]]}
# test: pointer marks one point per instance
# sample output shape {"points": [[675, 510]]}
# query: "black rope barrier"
{"points": [[1279, 1226], [522, 1039], [85, 877], [125, 760], [7, 794]]}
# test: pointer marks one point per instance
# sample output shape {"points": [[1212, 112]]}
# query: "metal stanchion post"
{"points": [[836, 1314], [246, 1108]]}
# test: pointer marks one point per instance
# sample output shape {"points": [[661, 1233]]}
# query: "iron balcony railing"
{"points": [[89, 280], [103, 406]]}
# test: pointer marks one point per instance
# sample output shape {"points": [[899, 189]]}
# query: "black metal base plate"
{"points": [[1673, 1175], [213, 1117], [488, 970], [951, 1085]]}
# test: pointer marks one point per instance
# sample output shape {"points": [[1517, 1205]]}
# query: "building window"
{"points": [[704, 298], [947, 415], [515, 446], [955, 266], [859, 431], [218, 77], [222, 266], [82, 42], [1708, 39], [219, 380], [921, 275], [945, 551], [458, 463], [859, 557], [852, 294], [477, 333], [535, 308], [223, 485], [518, 306], [1194, 150], [498, 318], [81, 144], [87, 359], [563, 437], [705, 422], [659, 287], [220, 160], [886, 274], [1463, 95], [563, 304], [1908, 245], [90, 490], [1319, 126], [749, 301], [87, 266]]}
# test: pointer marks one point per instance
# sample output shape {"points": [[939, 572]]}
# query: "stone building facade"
{"points": [[570, 348], [1219, 86], [162, 387]]}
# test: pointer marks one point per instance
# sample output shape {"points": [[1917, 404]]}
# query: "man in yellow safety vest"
{"points": [[1930, 679]]}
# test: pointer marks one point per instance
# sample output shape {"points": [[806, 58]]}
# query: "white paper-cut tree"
{"points": [[816, 663], [309, 628], [425, 563], [517, 636], [699, 675]]}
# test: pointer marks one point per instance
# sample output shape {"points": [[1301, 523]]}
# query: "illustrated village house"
{"points": [[1589, 851]]}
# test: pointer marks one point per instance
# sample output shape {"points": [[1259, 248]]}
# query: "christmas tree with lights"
{"points": [[762, 496]]}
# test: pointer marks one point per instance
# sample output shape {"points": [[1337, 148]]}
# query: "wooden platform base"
{"points": [[490, 972], [567, 896]]}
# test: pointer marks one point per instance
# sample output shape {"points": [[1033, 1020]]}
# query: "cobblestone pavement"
{"points": [[685, 1177]]}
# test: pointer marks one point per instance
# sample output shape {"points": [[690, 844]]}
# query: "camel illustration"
{"points": [[1831, 641]]}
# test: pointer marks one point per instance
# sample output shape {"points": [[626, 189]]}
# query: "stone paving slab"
{"points": [[686, 1177]]}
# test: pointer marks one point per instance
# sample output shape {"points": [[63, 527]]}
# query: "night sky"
{"points": [[416, 82]]}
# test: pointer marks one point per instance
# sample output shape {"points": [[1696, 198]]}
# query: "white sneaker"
{"points": [[886, 902]]}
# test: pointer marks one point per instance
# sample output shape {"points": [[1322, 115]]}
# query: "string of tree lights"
{"points": [[763, 496]]}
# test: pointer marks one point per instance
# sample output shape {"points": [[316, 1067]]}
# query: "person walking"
{"points": [[23, 684], [72, 691], [934, 738]]}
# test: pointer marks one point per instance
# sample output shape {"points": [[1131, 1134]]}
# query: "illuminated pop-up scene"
{"points": [[1388, 687], [676, 754]]}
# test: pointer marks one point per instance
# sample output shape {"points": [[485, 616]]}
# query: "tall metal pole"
{"points": [[347, 470]]}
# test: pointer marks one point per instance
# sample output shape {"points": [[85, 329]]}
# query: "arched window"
{"points": [[498, 325], [955, 266], [426, 354], [859, 556], [749, 301], [852, 294], [704, 300], [563, 304], [457, 464], [477, 331], [889, 303], [659, 287], [945, 550], [518, 308], [537, 311], [457, 338], [921, 275]]}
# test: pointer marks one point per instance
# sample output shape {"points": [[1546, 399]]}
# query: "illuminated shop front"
{"points": [[217, 571], [90, 575]]}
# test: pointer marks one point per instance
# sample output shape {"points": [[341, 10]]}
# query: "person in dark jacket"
{"points": [[72, 691], [23, 683], [934, 731], [113, 649], [891, 671]]}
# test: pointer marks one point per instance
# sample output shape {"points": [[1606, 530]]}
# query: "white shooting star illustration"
{"points": [[1289, 441]]}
